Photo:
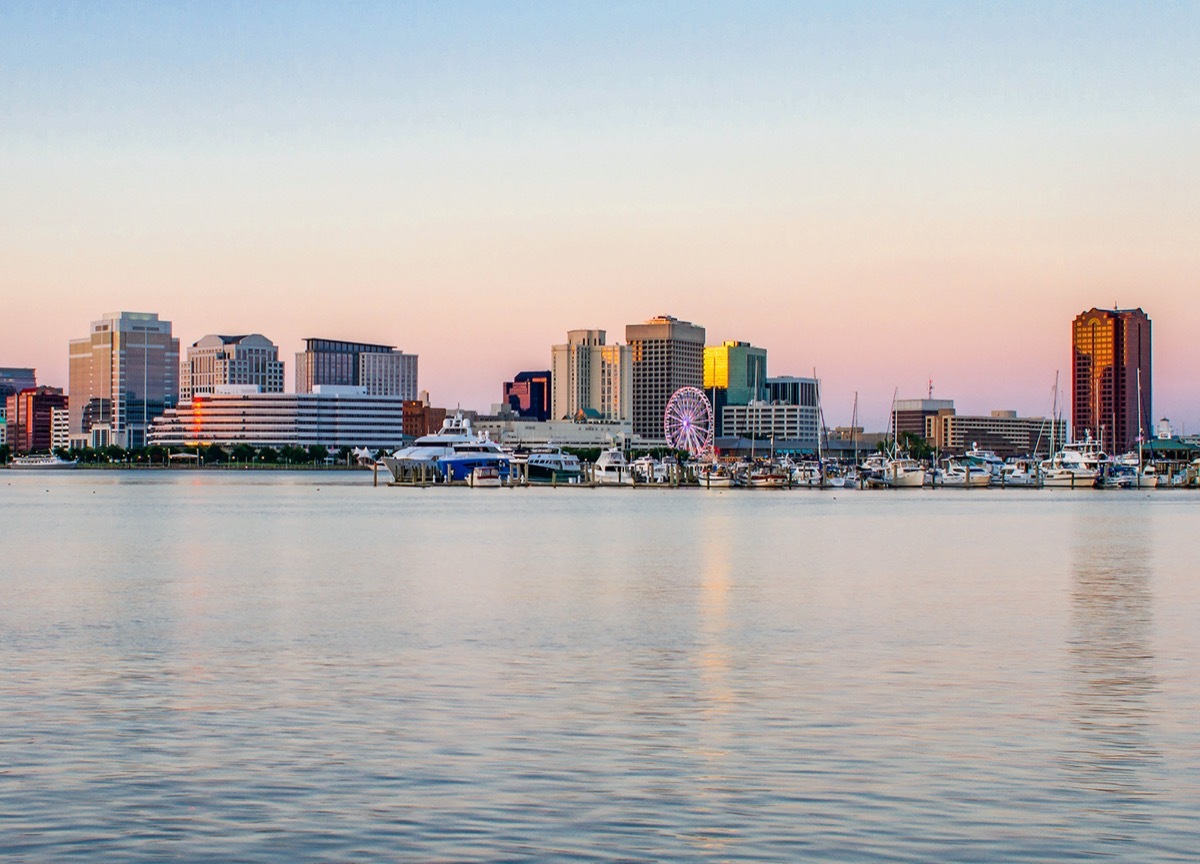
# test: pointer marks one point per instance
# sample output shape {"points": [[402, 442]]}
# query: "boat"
{"points": [[549, 464], [1068, 468], [985, 458], [807, 474], [449, 454], [612, 469], [903, 473], [716, 475], [960, 473], [1078, 464], [483, 476], [43, 460], [647, 469], [1021, 472], [767, 477]]}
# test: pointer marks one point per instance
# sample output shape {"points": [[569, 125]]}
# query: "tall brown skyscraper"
{"points": [[1111, 357]]}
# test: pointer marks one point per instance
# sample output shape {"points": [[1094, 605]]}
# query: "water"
{"points": [[275, 666]]}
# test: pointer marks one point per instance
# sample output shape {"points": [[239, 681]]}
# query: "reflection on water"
{"points": [[1112, 680], [212, 667]]}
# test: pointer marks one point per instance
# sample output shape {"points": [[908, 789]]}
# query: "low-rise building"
{"points": [[762, 421], [1002, 432], [330, 416], [517, 432]]}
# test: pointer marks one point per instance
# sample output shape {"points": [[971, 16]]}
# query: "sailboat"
{"points": [[900, 471]]}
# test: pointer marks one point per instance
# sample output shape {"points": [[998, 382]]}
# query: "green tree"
{"points": [[5, 454], [293, 455], [242, 453], [213, 455], [113, 453], [317, 453], [268, 455]]}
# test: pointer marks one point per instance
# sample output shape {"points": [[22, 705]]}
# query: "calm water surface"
{"points": [[299, 667]]}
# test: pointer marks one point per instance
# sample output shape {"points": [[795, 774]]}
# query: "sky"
{"points": [[895, 196]]}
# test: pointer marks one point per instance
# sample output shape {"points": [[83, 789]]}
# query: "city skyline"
{"points": [[883, 195]]}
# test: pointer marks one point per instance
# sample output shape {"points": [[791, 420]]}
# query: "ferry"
{"points": [[550, 464], [42, 461]]}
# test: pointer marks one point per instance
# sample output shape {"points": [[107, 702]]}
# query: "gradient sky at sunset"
{"points": [[883, 192]]}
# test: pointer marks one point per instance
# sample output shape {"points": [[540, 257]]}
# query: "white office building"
{"points": [[390, 374], [330, 416]]}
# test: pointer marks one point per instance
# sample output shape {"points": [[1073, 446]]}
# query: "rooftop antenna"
{"points": [[930, 396]]}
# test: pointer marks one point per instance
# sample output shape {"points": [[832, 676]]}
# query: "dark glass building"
{"points": [[528, 395], [333, 362]]}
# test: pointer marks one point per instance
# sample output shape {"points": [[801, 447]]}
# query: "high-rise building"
{"points": [[1111, 377], [528, 395], [390, 374], [590, 378], [735, 373], [218, 361], [122, 375], [666, 354], [14, 380], [29, 418], [383, 369]]}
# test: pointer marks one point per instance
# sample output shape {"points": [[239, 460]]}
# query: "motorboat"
{"points": [[647, 469], [1068, 468], [960, 473], [767, 477], [716, 475], [1021, 472], [903, 473], [612, 469], [985, 458], [484, 476], [549, 464]]}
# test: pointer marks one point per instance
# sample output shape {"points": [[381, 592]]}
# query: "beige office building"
{"points": [[590, 378], [219, 361], [123, 374], [666, 354]]}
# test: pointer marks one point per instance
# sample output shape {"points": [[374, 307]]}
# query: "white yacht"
{"points": [[612, 469], [1068, 468], [1021, 472], [960, 473], [1076, 465], [647, 469], [451, 453], [989, 460], [903, 473]]}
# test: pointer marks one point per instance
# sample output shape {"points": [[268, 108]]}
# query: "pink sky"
{"points": [[930, 193]]}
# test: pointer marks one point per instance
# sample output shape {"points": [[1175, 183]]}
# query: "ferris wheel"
{"points": [[688, 421]]}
